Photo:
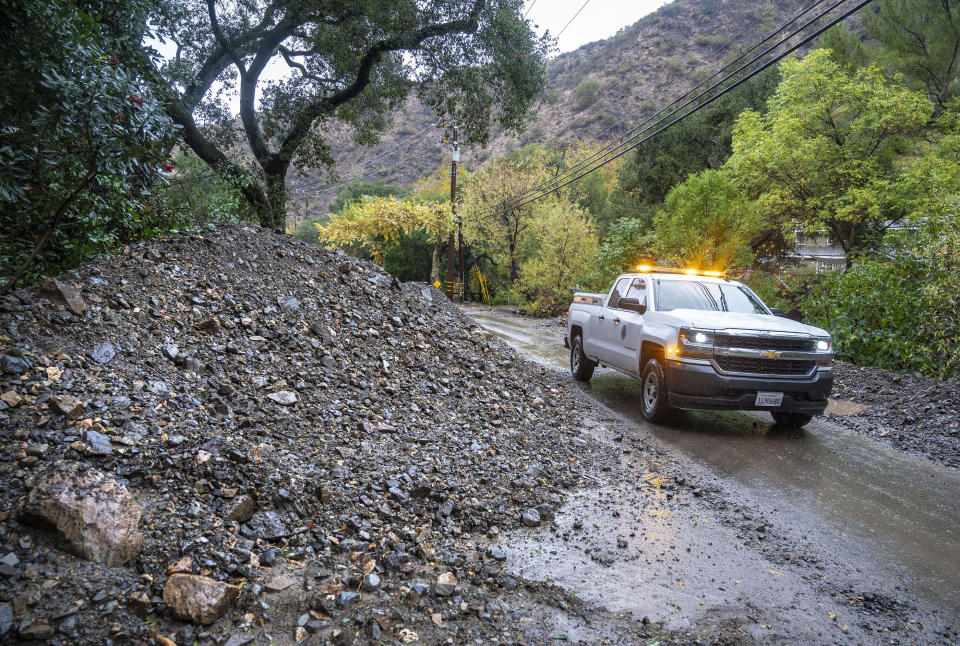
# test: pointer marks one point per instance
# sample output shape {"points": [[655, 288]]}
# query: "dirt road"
{"points": [[816, 535]]}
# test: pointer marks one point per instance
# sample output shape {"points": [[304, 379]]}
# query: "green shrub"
{"points": [[585, 93]]}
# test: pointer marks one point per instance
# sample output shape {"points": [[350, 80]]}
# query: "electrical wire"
{"points": [[572, 19], [766, 65], [603, 150], [609, 148]]}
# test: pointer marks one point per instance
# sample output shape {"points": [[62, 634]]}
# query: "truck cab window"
{"points": [[618, 292]]}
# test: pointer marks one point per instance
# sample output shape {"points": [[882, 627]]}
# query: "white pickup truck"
{"points": [[699, 341]]}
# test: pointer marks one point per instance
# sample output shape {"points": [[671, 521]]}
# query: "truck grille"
{"points": [[765, 366], [782, 344]]}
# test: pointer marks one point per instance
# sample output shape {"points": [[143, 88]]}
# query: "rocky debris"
{"points": [[198, 599], [382, 460], [96, 516], [446, 584], [240, 509], [15, 365], [67, 405], [63, 294], [103, 352], [530, 518], [910, 412], [283, 397]]}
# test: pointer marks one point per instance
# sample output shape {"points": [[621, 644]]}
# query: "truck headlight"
{"points": [[824, 345], [695, 343]]}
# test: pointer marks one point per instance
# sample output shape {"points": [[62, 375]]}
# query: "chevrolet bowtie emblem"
{"points": [[770, 354]]}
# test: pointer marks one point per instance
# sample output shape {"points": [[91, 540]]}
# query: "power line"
{"points": [[716, 51], [603, 150], [572, 19], [529, 8], [610, 91], [766, 65]]}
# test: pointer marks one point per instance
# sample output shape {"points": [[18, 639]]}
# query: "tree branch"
{"points": [[304, 121]]}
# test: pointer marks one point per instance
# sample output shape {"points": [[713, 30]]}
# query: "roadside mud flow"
{"points": [[823, 511]]}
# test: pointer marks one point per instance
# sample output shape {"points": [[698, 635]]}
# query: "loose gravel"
{"points": [[909, 412], [327, 453]]}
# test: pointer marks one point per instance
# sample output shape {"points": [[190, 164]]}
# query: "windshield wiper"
{"points": [[723, 299]]}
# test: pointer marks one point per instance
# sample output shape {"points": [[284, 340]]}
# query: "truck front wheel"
{"points": [[580, 366], [654, 392], [791, 420]]}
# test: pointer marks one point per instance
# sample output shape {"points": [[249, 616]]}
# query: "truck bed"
{"points": [[588, 299]]}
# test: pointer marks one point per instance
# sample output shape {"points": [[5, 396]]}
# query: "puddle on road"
{"points": [[896, 516]]}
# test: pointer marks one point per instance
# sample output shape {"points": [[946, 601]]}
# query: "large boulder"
{"points": [[198, 599], [96, 516], [63, 294]]}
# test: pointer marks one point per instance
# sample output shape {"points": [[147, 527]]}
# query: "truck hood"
{"points": [[735, 321]]}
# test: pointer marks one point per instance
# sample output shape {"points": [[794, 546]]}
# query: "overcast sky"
{"points": [[599, 19]]}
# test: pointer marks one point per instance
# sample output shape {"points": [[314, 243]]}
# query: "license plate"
{"points": [[769, 399]]}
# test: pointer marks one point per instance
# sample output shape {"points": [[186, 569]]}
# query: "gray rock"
{"points": [[267, 525], [10, 559], [288, 304], [371, 582], [15, 365], [283, 397], [240, 639], [446, 584], [346, 597], [99, 443], [170, 351], [530, 518], [103, 352], [6, 617]]}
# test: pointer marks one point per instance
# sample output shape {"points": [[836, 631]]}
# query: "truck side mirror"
{"points": [[776, 311], [632, 304]]}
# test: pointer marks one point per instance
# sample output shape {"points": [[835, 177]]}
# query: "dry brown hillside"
{"points": [[595, 92]]}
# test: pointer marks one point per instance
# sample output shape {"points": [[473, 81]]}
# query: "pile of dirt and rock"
{"points": [[230, 435], [910, 412]]}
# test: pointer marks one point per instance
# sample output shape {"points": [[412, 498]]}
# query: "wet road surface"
{"points": [[885, 522]]}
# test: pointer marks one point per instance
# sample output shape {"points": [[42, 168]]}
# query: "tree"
{"points": [[921, 39], [471, 61], [494, 217], [565, 249], [82, 140], [376, 221], [822, 156], [357, 190], [701, 141], [708, 223]]}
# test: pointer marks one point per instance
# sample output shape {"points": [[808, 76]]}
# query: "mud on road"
{"points": [[814, 536]]}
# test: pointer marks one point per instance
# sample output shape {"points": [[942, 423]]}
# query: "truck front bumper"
{"points": [[698, 386]]}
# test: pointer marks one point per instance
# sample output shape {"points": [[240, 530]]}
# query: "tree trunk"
{"points": [[273, 215], [435, 261]]}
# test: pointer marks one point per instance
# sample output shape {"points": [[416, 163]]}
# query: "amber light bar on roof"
{"points": [[645, 269]]}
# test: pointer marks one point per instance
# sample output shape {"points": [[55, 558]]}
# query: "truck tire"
{"points": [[653, 393], [580, 366], [791, 420]]}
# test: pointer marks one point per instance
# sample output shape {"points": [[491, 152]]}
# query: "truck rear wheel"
{"points": [[580, 366], [791, 420], [654, 392]]}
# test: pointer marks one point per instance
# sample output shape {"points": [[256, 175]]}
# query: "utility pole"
{"points": [[455, 157]]}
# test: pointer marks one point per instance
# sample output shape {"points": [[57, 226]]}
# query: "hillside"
{"points": [[595, 92]]}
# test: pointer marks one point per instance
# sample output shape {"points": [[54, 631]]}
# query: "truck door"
{"points": [[606, 332], [628, 329]]}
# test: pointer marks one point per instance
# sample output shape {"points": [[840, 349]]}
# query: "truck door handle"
{"points": [[600, 316], [616, 320]]}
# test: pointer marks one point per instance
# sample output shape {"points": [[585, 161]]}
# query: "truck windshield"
{"points": [[714, 297]]}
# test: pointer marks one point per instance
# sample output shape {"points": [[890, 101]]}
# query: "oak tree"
{"points": [[349, 61]]}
